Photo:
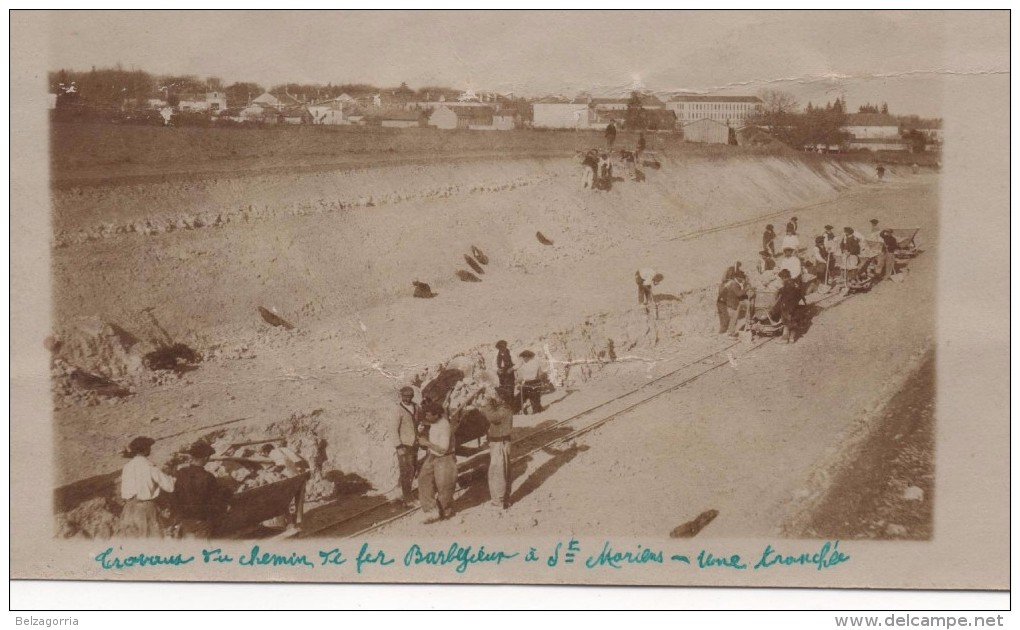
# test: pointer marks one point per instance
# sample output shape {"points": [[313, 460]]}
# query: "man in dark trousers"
{"points": [[768, 240], [198, 498], [406, 442], [640, 148], [501, 426], [611, 133], [732, 295], [787, 299], [505, 371]]}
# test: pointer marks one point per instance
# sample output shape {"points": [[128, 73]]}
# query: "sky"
{"points": [[894, 57]]}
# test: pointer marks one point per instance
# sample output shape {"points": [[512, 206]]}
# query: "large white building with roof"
{"points": [[729, 110]]}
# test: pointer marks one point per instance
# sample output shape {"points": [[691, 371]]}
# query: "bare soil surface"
{"points": [[886, 488], [334, 255]]}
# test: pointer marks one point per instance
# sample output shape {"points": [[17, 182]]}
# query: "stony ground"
{"points": [[335, 255]]}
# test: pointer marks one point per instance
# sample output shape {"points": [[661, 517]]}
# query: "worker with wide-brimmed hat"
{"points": [[141, 483], [198, 498], [405, 440], [530, 377]]}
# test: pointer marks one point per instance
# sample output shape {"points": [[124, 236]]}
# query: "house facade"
{"points": [[731, 110], [873, 132], [561, 115], [328, 113], [456, 117], [212, 102]]}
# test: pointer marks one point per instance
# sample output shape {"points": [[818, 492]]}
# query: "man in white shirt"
{"points": [[438, 476], [530, 375], [646, 279], [140, 485], [791, 263]]}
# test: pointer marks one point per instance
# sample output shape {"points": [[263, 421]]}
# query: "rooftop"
{"points": [[707, 98]]}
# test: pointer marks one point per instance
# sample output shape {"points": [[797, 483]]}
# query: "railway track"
{"points": [[383, 512]]}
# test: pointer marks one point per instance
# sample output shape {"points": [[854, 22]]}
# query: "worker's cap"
{"points": [[819, 239], [768, 227], [848, 230], [785, 273], [828, 227], [201, 450], [526, 354], [406, 391], [787, 249], [874, 221], [140, 444], [793, 218], [501, 344]]}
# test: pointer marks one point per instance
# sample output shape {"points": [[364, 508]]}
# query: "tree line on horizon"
{"points": [[112, 86], [824, 124]]}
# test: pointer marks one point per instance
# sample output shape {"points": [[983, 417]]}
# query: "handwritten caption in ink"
{"points": [[460, 558]]}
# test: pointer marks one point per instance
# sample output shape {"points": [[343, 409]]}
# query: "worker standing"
{"points": [[501, 425], [611, 133], [406, 442], [141, 483], [198, 498], [439, 471], [768, 240], [530, 376], [504, 371]]}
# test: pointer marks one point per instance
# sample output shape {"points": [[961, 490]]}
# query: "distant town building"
{"points": [[732, 110], [212, 102], [873, 132], [561, 114], [399, 118], [328, 112], [506, 119], [267, 99], [460, 117]]}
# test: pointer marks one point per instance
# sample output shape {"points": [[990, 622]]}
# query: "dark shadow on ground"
{"points": [[66, 498], [535, 480]]}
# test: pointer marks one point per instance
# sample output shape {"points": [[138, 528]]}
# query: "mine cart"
{"points": [[270, 494], [906, 247]]}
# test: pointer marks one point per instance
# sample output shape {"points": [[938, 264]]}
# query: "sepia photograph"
{"points": [[709, 298]]}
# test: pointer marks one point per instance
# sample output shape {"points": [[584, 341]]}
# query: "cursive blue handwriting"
{"points": [[216, 555], [614, 559], [365, 557], [706, 560], [255, 558], [828, 556], [333, 556], [107, 560], [463, 557]]}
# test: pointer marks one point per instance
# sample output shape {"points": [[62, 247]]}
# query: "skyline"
{"points": [[892, 57]]}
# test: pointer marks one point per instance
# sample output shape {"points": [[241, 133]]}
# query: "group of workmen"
{"points": [[187, 503], [430, 427], [790, 277], [597, 165]]}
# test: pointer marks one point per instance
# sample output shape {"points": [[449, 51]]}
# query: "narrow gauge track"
{"points": [[385, 512]]}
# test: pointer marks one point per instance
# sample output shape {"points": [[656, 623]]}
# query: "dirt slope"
{"points": [[341, 274]]}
